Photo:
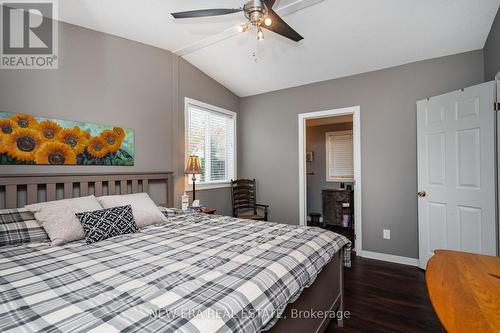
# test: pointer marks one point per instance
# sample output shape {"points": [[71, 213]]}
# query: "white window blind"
{"points": [[339, 156], [210, 135]]}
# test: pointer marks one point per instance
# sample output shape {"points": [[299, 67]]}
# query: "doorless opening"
{"points": [[333, 172]]}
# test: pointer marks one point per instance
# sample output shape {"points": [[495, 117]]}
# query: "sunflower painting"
{"points": [[26, 139]]}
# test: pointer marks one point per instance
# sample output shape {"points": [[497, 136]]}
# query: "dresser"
{"points": [[338, 207]]}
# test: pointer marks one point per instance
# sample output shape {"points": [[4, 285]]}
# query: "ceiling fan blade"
{"points": [[269, 3], [281, 27], [206, 12]]}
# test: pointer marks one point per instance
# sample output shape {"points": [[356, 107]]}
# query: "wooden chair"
{"points": [[244, 201]]}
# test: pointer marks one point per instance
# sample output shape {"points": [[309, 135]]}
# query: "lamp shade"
{"points": [[193, 165]]}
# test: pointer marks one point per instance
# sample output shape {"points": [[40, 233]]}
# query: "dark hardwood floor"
{"points": [[386, 297]]}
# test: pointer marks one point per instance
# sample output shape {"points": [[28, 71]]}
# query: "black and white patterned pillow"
{"points": [[19, 226], [106, 223]]}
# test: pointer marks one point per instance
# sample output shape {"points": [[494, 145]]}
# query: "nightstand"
{"points": [[210, 211]]}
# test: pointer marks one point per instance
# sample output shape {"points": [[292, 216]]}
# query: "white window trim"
{"points": [[327, 146], [213, 185], [202, 187]]}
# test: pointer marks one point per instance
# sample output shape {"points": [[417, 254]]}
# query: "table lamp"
{"points": [[193, 167]]}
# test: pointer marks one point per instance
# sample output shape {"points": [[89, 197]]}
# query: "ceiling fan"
{"points": [[259, 14]]}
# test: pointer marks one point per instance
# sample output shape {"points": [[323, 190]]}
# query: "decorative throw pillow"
{"points": [[59, 220], [19, 226], [144, 209], [106, 223], [171, 212]]}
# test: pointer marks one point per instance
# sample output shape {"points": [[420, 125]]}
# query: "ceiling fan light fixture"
{"points": [[259, 14], [260, 34], [242, 28]]}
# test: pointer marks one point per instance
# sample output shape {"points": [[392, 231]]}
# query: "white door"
{"points": [[456, 172], [498, 164]]}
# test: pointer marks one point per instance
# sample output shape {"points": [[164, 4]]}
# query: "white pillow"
{"points": [[59, 220], [144, 209]]}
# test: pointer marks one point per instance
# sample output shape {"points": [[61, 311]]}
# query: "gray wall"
{"points": [[492, 51], [195, 84], [316, 142], [269, 134], [110, 80]]}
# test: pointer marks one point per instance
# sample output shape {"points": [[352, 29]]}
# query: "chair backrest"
{"points": [[243, 194]]}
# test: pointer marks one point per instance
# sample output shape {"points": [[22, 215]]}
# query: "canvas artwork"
{"points": [[26, 139], [310, 156]]}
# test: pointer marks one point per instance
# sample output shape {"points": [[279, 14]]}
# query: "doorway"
{"points": [[331, 170]]}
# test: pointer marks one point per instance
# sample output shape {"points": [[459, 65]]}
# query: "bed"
{"points": [[196, 273]]}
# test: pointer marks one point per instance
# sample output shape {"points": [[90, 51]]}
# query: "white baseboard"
{"points": [[388, 257]]}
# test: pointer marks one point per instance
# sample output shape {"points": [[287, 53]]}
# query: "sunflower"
{"points": [[85, 134], [53, 152], [120, 132], [112, 139], [49, 129], [7, 126], [23, 143], [96, 147], [2, 143], [73, 138], [24, 120]]}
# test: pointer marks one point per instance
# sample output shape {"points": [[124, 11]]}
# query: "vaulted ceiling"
{"points": [[341, 37]]}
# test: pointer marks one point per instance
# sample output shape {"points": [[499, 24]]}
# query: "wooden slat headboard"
{"points": [[69, 184]]}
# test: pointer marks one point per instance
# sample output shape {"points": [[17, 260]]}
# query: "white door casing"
{"points": [[456, 169], [355, 111]]}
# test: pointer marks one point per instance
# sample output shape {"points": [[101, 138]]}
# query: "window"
{"points": [[339, 156], [211, 135]]}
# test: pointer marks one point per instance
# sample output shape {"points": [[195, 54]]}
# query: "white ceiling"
{"points": [[342, 37]]}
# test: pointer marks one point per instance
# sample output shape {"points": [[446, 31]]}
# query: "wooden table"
{"points": [[464, 289]]}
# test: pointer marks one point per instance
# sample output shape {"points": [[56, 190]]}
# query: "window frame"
{"points": [[189, 102], [327, 155]]}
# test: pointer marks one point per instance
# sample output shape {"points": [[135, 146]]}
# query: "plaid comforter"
{"points": [[197, 273]]}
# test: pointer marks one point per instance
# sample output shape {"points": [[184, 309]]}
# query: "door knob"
{"points": [[422, 194]]}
